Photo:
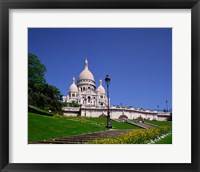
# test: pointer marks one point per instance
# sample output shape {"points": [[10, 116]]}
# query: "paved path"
{"points": [[84, 138], [142, 125]]}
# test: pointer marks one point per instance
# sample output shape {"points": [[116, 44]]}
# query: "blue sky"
{"points": [[138, 60]]}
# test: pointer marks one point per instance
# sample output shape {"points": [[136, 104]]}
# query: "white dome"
{"points": [[100, 89], [86, 74], [73, 87]]}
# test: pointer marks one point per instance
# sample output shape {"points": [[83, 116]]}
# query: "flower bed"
{"points": [[137, 136], [160, 139], [81, 119]]}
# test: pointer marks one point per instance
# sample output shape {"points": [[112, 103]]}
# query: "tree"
{"points": [[36, 70], [53, 95], [40, 93]]}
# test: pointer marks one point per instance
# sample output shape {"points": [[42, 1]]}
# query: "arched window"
{"points": [[88, 99]]}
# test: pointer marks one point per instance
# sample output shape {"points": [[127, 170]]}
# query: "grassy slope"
{"points": [[159, 123], [166, 140], [45, 127], [115, 125]]}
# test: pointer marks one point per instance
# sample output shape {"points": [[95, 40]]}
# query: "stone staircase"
{"points": [[84, 138], [141, 125], [117, 120]]}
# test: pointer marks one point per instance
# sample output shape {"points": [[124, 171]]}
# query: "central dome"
{"points": [[86, 74]]}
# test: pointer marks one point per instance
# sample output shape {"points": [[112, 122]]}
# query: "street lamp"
{"points": [[166, 106], [107, 80], [158, 108]]}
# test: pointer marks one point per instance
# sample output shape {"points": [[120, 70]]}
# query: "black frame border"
{"points": [[5, 5]]}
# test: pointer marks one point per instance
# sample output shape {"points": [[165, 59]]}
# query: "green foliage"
{"points": [[137, 136], [82, 119], [40, 93], [36, 70], [159, 123], [115, 125], [166, 140], [100, 122], [45, 127], [70, 104]]}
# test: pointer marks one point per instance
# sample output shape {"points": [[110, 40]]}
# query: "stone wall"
{"points": [[116, 113]]}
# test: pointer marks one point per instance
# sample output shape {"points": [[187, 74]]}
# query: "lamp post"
{"points": [[166, 106], [107, 80], [157, 107]]}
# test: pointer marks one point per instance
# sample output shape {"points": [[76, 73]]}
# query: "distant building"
{"points": [[85, 91], [94, 101]]}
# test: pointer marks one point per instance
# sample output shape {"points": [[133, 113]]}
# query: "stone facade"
{"points": [[116, 113], [94, 102], [85, 91]]}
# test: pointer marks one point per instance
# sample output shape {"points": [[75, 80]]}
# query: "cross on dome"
{"points": [[86, 63], [100, 82], [73, 80]]}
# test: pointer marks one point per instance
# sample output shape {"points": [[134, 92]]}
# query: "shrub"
{"points": [[137, 136], [70, 104]]}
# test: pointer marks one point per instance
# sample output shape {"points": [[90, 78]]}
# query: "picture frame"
{"points": [[5, 6]]}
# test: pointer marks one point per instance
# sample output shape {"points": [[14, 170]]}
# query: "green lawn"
{"points": [[44, 127], [159, 123], [115, 125], [166, 140]]}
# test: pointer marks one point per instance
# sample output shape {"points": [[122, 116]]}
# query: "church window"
{"points": [[73, 95], [102, 97], [83, 88], [88, 87]]}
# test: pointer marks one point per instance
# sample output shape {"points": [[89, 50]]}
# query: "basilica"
{"points": [[94, 102], [85, 91]]}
